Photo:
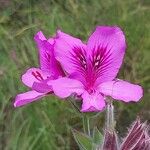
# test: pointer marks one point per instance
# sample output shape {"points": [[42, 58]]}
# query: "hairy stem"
{"points": [[110, 116], [110, 137]]}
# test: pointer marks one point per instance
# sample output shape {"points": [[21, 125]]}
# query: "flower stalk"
{"points": [[110, 137], [86, 124], [110, 116]]}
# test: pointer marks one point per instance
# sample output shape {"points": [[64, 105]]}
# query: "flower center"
{"points": [[91, 90]]}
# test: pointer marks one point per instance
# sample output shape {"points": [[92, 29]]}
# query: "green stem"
{"points": [[86, 124]]}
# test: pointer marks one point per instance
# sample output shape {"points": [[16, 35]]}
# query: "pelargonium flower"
{"points": [[49, 69], [92, 68]]}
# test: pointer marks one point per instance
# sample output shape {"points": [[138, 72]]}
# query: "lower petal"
{"points": [[27, 97], [92, 102], [41, 87], [34, 75], [64, 87], [122, 90]]}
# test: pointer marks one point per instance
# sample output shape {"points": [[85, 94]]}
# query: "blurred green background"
{"points": [[45, 125]]}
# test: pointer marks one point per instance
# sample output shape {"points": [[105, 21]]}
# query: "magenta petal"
{"points": [[64, 87], [92, 102], [106, 47], [34, 75], [46, 53], [69, 51], [41, 87], [51, 41], [122, 90], [28, 97]]}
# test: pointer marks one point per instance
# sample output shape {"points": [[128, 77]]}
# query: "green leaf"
{"points": [[84, 142], [97, 136]]}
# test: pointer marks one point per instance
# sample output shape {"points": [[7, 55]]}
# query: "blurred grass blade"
{"points": [[21, 31]]}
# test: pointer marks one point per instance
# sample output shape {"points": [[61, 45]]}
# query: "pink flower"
{"points": [[92, 68], [49, 69]]}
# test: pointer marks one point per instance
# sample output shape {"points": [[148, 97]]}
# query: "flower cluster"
{"points": [[86, 70]]}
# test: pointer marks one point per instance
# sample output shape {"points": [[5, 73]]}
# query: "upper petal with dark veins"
{"points": [[106, 48], [70, 52], [46, 55]]}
